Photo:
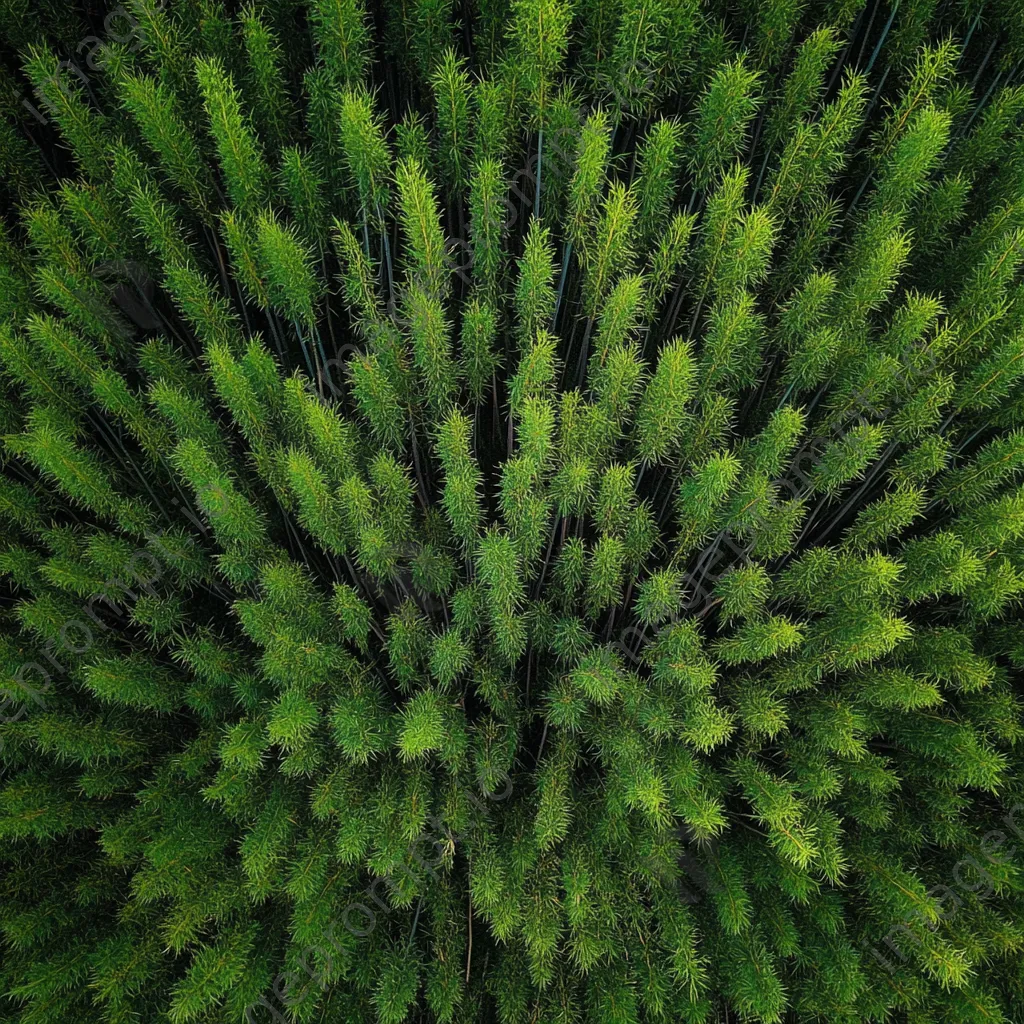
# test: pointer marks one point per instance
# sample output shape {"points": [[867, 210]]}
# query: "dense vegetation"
{"points": [[512, 511]]}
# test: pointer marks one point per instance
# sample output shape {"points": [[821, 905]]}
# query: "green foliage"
{"points": [[511, 512]]}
